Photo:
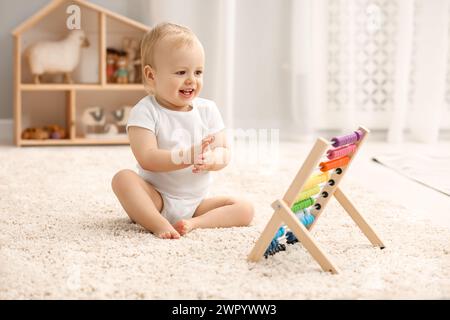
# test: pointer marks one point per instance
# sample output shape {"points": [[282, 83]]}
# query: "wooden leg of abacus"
{"points": [[266, 237], [358, 218], [304, 236]]}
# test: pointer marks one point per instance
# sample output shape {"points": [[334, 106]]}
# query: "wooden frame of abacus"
{"points": [[284, 214]]}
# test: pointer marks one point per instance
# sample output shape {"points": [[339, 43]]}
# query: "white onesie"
{"points": [[181, 190]]}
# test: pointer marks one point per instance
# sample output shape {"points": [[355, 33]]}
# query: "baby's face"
{"points": [[178, 74]]}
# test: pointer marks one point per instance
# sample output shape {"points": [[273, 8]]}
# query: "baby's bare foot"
{"points": [[183, 226], [167, 234]]}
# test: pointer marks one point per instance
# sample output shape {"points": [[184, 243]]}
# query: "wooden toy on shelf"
{"points": [[35, 134], [121, 74], [111, 61], [123, 66], [53, 131], [131, 47]]}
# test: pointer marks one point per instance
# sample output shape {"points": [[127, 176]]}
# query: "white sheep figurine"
{"points": [[57, 56]]}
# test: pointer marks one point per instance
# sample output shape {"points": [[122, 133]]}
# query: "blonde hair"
{"points": [[181, 36]]}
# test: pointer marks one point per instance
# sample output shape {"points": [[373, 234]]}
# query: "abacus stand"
{"points": [[283, 213]]}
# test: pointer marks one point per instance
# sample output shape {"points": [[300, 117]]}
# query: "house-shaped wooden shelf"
{"points": [[55, 102]]}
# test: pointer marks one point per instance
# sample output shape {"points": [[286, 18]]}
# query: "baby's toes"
{"points": [[164, 235], [174, 235], [180, 227]]}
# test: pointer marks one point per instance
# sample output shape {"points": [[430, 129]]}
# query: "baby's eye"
{"points": [[180, 72], [199, 72]]}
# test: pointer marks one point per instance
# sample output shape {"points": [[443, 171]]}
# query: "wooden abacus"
{"points": [[299, 211]]}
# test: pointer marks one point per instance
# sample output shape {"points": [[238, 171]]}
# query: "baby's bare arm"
{"points": [[145, 148]]}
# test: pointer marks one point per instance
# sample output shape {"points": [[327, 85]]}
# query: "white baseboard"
{"points": [[6, 131]]}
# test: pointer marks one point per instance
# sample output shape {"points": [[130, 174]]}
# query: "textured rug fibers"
{"points": [[64, 235]]}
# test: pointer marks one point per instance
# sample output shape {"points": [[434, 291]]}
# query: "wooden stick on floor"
{"points": [[358, 218], [266, 237], [304, 236]]}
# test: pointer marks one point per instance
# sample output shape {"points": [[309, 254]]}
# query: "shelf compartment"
{"points": [[116, 32], [55, 102], [54, 28], [107, 101], [45, 108]]}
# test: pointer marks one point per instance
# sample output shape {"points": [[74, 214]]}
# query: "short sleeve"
{"points": [[215, 121], [143, 115]]}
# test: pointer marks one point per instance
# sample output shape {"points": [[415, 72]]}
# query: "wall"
{"points": [[13, 13]]}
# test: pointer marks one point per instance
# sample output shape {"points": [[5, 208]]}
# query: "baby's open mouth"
{"points": [[187, 93]]}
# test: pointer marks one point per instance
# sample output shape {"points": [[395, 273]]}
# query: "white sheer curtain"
{"points": [[430, 67], [247, 46], [214, 24], [308, 65]]}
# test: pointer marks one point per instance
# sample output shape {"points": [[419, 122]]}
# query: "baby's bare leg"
{"points": [[142, 203], [218, 212]]}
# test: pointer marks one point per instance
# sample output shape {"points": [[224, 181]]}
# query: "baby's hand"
{"points": [[197, 150], [207, 141], [204, 162]]}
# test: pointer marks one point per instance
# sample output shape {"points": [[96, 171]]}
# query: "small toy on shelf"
{"points": [[96, 125], [47, 132], [121, 118], [123, 65], [56, 57], [137, 63], [35, 134], [131, 47], [93, 120], [110, 131], [122, 68], [111, 60], [55, 131], [138, 71]]}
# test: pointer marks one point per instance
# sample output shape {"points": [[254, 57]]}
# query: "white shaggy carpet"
{"points": [[64, 235]]}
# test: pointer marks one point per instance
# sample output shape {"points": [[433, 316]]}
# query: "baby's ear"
{"points": [[149, 73]]}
